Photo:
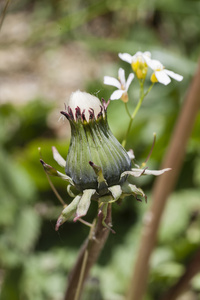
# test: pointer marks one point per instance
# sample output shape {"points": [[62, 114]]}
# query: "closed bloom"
{"points": [[161, 74], [138, 62], [97, 167], [92, 141], [121, 84]]}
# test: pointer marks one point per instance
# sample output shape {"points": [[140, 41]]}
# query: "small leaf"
{"points": [[131, 189], [116, 191]]}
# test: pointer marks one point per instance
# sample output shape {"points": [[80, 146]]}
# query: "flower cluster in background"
{"points": [[140, 62]]}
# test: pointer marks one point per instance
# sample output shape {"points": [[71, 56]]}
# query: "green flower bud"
{"points": [[93, 144]]}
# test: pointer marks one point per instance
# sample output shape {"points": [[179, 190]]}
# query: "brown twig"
{"points": [[163, 187], [88, 254], [191, 270], [3, 14]]}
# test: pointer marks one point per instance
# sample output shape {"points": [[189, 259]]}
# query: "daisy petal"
{"points": [[174, 75], [116, 95], [162, 77], [154, 64], [147, 53], [112, 81], [129, 80], [126, 57], [136, 55], [121, 74]]}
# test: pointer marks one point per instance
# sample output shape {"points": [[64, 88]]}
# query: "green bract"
{"points": [[92, 141], [97, 166]]}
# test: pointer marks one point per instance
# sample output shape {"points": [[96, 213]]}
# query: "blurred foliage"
{"points": [[34, 259]]}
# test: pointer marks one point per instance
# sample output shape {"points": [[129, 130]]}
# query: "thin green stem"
{"points": [[126, 106], [85, 222], [142, 96], [51, 183], [55, 191], [149, 89], [150, 152]]}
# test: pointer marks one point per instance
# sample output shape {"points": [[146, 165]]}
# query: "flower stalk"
{"points": [[142, 96], [88, 255]]}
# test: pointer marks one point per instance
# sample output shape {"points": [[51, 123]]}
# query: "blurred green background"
{"points": [[47, 50]]}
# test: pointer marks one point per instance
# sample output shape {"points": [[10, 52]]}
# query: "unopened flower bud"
{"points": [[92, 144]]}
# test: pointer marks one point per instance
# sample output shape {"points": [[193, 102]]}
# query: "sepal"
{"points": [[116, 191], [139, 172], [131, 189], [68, 212], [84, 203], [102, 184], [53, 172]]}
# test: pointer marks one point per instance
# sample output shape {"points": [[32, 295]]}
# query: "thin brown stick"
{"points": [[3, 14], [163, 187], [93, 245], [191, 270]]}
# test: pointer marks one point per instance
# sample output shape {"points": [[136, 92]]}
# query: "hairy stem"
{"points": [[88, 255], [163, 187]]}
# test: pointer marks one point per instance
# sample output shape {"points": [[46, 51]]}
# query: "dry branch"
{"points": [[163, 186]]}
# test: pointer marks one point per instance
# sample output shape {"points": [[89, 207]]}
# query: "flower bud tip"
{"points": [[86, 103], [65, 114]]}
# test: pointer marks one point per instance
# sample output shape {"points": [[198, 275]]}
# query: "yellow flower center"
{"points": [[140, 68], [122, 86], [153, 78], [124, 97]]}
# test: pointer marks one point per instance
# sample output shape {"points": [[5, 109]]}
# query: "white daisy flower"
{"points": [[121, 84], [161, 74], [138, 62]]}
